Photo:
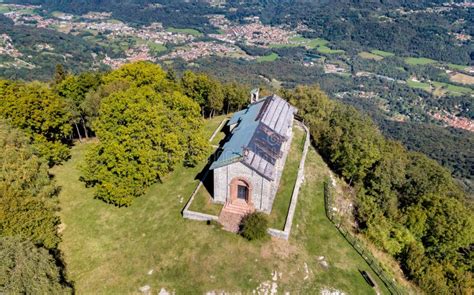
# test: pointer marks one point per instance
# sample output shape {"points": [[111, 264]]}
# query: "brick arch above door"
{"points": [[235, 182]]}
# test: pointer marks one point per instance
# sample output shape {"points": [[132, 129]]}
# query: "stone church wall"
{"points": [[260, 186], [263, 190]]}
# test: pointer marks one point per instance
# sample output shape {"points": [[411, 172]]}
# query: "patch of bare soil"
{"points": [[462, 78]]}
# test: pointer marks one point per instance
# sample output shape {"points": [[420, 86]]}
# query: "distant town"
{"points": [[152, 38]]}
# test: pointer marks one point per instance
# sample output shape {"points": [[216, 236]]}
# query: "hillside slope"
{"points": [[111, 250]]}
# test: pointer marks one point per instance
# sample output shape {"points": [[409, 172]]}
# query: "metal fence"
{"points": [[357, 244]]}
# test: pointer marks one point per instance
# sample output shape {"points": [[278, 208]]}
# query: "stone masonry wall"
{"points": [[263, 190], [260, 185]]}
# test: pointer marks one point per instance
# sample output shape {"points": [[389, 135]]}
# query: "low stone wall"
{"points": [[219, 128], [188, 214], [285, 234], [278, 233]]}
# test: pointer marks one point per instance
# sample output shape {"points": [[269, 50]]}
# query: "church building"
{"points": [[249, 165]]}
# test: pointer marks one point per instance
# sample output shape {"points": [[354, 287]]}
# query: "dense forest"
{"points": [[146, 121]]}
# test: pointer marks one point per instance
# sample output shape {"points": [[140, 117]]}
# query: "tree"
{"points": [[28, 203], [387, 176], [207, 92], [352, 143], [74, 89], [450, 224], [41, 114], [91, 103], [59, 74], [313, 105], [145, 131], [140, 74], [236, 96], [26, 269], [215, 99], [425, 176]]}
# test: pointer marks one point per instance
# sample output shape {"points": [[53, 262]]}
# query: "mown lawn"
{"points": [[287, 182], [110, 250], [440, 88], [203, 201], [156, 48], [453, 89], [4, 8]]}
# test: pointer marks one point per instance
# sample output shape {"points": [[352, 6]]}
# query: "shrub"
{"points": [[254, 226]]}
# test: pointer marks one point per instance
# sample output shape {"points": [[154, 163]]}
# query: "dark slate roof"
{"points": [[257, 139]]}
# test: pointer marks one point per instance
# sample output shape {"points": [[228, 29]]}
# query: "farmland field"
{"points": [[193, 32], [382, 53], [326, 50], [419, 85], [419, 61], [368, 55], [462, 78], [271, 57]]}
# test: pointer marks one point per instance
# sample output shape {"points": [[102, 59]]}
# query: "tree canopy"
{"points": [[144, 132], [41, 114], [28, 201], [26, 269]]}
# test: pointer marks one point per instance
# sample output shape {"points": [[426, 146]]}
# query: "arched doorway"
{"points": [[241, 191]]}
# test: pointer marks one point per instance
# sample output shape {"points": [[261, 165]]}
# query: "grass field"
{"points": [[302, 41], [326, 50], [203, 202], [271, 57], [419, 85], [287, 182], [382, 53], [368, 55], [193, 32], [4, 8], [457, 67], [440, 88], [156, 48], [419, 61], [110, 250], [453, 89]]}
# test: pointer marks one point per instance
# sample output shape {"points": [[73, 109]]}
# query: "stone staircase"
{"points": [[232, 214]]}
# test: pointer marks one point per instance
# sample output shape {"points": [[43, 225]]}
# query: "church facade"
{"points": [[249, 165]]}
